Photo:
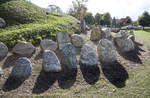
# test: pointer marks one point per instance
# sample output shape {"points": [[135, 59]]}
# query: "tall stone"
{"points": [[83, 26], [77, 40], [62, 39], [3, 50], [88, 56], [2, 23], [51, 62], [106, 51], [22, 68], [69, 60]]}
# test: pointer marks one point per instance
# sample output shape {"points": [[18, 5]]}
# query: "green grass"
{"points": [[33, 24]]}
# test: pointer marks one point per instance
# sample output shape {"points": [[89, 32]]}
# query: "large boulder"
{"points": [[22, 68], [51, 62], [83, 26], [69, 60], [23, 49], [2, 23], [77, 40], [106, 51], [123, 42], [88, 56], [48, 45], [3, 50], [95, 34], [62, 39]]}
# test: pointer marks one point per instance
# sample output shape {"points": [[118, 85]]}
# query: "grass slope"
{"points": [[33, 24]]}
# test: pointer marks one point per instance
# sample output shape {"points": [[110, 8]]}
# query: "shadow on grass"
{"points": [[44, 82], [133, 55], [10, 61], [12, 83], [115, 73], [91, 74], [67, 79]]}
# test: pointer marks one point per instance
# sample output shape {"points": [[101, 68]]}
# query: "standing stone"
{"points": [[24, 49], [123, 43], [48, 45], [77, 40], [95, 34], [22, 68], [83, 26], [51, 62], [1, 72], [3, 50], [88, 56], [106, 34], [69, 60], [2, 23], [131, 36], [62, 39], [106, 51]]}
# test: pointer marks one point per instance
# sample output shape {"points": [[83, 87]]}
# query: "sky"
{"points": [[117, 8]]}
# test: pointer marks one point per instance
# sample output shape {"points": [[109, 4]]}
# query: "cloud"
{"points": [[117, 8]]}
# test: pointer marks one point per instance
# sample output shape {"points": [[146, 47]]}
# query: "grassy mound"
{"points": [[20, 11], [33, 24]]}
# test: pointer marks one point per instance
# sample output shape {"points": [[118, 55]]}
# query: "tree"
{"points": [[129, 21], [54, 8], [144, 20], [98, 18], [113, 24], [89, 18], [106, 19], [78, 9]]}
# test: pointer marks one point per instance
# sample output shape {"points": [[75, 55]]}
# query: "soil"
{"points": [[40, 82]]}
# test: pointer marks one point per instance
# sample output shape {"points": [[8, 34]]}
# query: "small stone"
{"points": [[2, 23], [106, 51], [77, 40], [51, 62], [24, 49], [131, 37], [22, 68], [48, 45], [3, 50], [1, 72], [88, 56], [62, 39], [95, 34], [106, 34], [69, 60]]}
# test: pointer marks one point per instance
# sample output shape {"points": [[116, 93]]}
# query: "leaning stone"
{"points": [[51, 62], [106, 51], [62, 39], [95, 34], [3, 50], [69, 60], [2, 23], [22, 68], [88, 56], [77, 40], [24, 49], [48, 45]]}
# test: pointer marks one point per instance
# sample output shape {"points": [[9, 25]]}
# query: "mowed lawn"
{"points": [[136, 86]]}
